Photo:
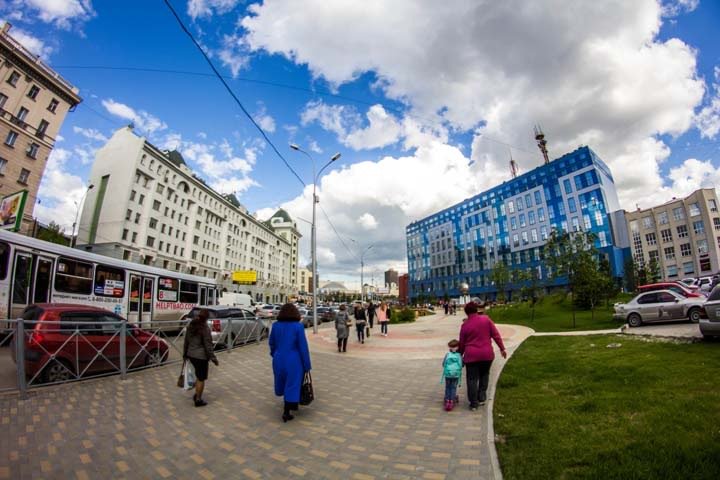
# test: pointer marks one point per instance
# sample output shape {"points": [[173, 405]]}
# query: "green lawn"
{"points": [[554, 314], [569, 407]]}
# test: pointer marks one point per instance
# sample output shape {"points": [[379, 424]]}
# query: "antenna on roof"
{"points": [[513, 166], [542, 143]]}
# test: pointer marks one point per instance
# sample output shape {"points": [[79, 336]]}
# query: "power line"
{"points": [[227, 87], [336, 233]]}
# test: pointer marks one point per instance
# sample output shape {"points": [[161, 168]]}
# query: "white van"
{"points": [[237, 300]]}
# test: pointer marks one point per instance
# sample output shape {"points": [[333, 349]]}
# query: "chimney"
{"points": [[6, 28]]}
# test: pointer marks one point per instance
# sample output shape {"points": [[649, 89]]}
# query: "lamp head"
{"points": [[335, 157], [91, 186], [294, 146]]}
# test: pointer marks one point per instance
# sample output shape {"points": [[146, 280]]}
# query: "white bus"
{"points": [[35, 271]]}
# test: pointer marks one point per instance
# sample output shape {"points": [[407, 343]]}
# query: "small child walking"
{"points": [[452, 373]]}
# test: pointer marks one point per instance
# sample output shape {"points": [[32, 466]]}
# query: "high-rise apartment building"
{"points": [[34, 100], [391, 277], [682, 235], [511, 222], [147, 206]]}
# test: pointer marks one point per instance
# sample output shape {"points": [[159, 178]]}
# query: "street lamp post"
{"points": [[313, 234], [77, 213], [362, 269]]}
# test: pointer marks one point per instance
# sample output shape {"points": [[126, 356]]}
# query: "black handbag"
{"points": [[306, 391]]}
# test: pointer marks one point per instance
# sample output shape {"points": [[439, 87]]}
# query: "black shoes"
{"points": [[287, 417], [200, 402]]}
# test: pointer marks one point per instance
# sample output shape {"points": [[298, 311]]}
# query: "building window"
{"points": [[24, 175], [666, 235], [705, 265], [134, 237], [712, 205], [150, 241], [541, 214], [142, 198], [32, 150], [572, 208], [11, 138], [128, 214], [511, 206], [716, 223], [531, 217], [42, 128], [534, 235], [648, 223], [22, 114], [678, 213], [663, 218], [650, 239], [653, 255], [688, 268], [3, 164], [538, 200], [586, 222], [672, 271], [13, 78], [575, 224], [132, 194], [685, 250], [702, 247], [153, 223], [160, 245], [125, 234], [525, 239], [156, 205], [682, 231], [699, 227], [522, 220], [694, 209], [53, 105], [3, 99], [516, 240], [160, 188], [567, 186], [528, 201], [670, 253]]}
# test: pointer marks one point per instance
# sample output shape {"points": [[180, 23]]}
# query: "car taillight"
{"points": [[37, 338], [216, 326]]}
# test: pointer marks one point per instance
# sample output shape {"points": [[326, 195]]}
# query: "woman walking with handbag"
{"points": [[198, 349], [290, 357], [382, 316], [342, 326], [360, 322]]}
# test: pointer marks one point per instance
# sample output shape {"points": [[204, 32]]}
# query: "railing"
{"points": [[35, 354]]}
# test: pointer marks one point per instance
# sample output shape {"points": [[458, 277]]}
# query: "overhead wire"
{"points": [[327, 217], [230, 91]]}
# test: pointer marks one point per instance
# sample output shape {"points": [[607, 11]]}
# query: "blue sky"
{"points": [[425, 102]]}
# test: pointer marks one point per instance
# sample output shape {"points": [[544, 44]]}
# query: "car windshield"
{"points": [[268, 307]]}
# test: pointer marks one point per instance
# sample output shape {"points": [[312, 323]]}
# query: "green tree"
{"points": [[630, 279], [53, 233], [653, 270], [500, 277], [530, 287]]}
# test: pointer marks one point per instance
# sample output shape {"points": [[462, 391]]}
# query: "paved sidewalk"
{"points": [[683, 331], [377, 414]]}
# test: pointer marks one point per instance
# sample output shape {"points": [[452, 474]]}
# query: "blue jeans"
{"points": [[451, 385]]}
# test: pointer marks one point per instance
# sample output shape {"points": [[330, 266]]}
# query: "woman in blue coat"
{"points": [[290, 357]]}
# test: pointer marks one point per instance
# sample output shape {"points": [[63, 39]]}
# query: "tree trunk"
{"points": [[572, 300]]}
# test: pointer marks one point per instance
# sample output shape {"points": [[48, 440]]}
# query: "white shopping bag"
{"points": [[189, 376]]}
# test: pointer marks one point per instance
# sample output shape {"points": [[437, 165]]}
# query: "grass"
{"points": [[554, 314], [569, 407]]}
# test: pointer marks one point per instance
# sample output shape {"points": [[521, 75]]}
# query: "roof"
{"points": [[281, 213], [176, 158], [333, 286]]}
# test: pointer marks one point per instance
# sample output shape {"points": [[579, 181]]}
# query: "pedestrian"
{"points": [[454, 308], [382, 314], [290, 357], [477, 352], [198, 349], [370, 315], [452, 373], [446, 305], [360, 322], [342, 327]]}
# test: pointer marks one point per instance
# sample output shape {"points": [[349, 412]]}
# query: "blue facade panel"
{"points": [[512, 222]]}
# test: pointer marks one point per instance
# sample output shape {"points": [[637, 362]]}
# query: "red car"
{"points": [[67, 341], [675, 287]]}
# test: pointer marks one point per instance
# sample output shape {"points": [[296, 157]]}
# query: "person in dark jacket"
{"points": [[198, 349], [360, 322], [476, 336], [371, 311], [290, 357]]}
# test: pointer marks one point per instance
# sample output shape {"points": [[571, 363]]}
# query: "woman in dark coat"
{"points": [[290, 357], [198, 349]]}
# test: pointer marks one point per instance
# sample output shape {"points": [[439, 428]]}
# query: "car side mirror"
{"points": [[677, 300]]}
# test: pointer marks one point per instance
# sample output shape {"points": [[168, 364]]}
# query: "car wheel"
{"points": [[57, 371], [694, 315], [155, 357], [634, 320]]}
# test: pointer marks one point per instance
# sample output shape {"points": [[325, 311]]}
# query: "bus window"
{"points": [[109, 282], [188, 292], [73, 276], [167, 289], [134, 294], [4, 259], [203, 295]]}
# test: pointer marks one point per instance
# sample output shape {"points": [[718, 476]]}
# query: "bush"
{"points": [[406, 315]]}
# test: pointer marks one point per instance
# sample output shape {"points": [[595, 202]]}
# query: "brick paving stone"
{"points": [[377, 414]]}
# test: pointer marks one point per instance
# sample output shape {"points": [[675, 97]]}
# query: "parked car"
{"points": [[268, 311], [52, 352], [659, 306], [326, 314], [704, 283], [710, 326], [232, 325], [675, 287], [689, 286]]}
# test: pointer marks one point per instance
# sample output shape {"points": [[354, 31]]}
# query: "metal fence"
{"points": [[41, 353]]}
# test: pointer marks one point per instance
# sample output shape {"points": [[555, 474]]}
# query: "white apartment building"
{"points": [[147, 206], [304, 280], [682, 234]]}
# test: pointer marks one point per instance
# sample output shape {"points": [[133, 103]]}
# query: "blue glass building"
{"points": [[511, 222]]}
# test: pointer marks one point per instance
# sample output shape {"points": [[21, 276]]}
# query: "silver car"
{"points": [[232, 325], [659, 306], [710, 326]]}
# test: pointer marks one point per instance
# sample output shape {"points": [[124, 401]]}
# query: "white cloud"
{"points": [[207, 8], [266, 122], [60, 191], [494, 67], [708, 118], [90, 133], [383, 130], [32, 43], [232, 54], [367, 221], [62, 13], [673, 8], [142, 120]]}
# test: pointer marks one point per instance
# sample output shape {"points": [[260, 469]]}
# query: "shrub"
{"points": [[406, 315]]}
